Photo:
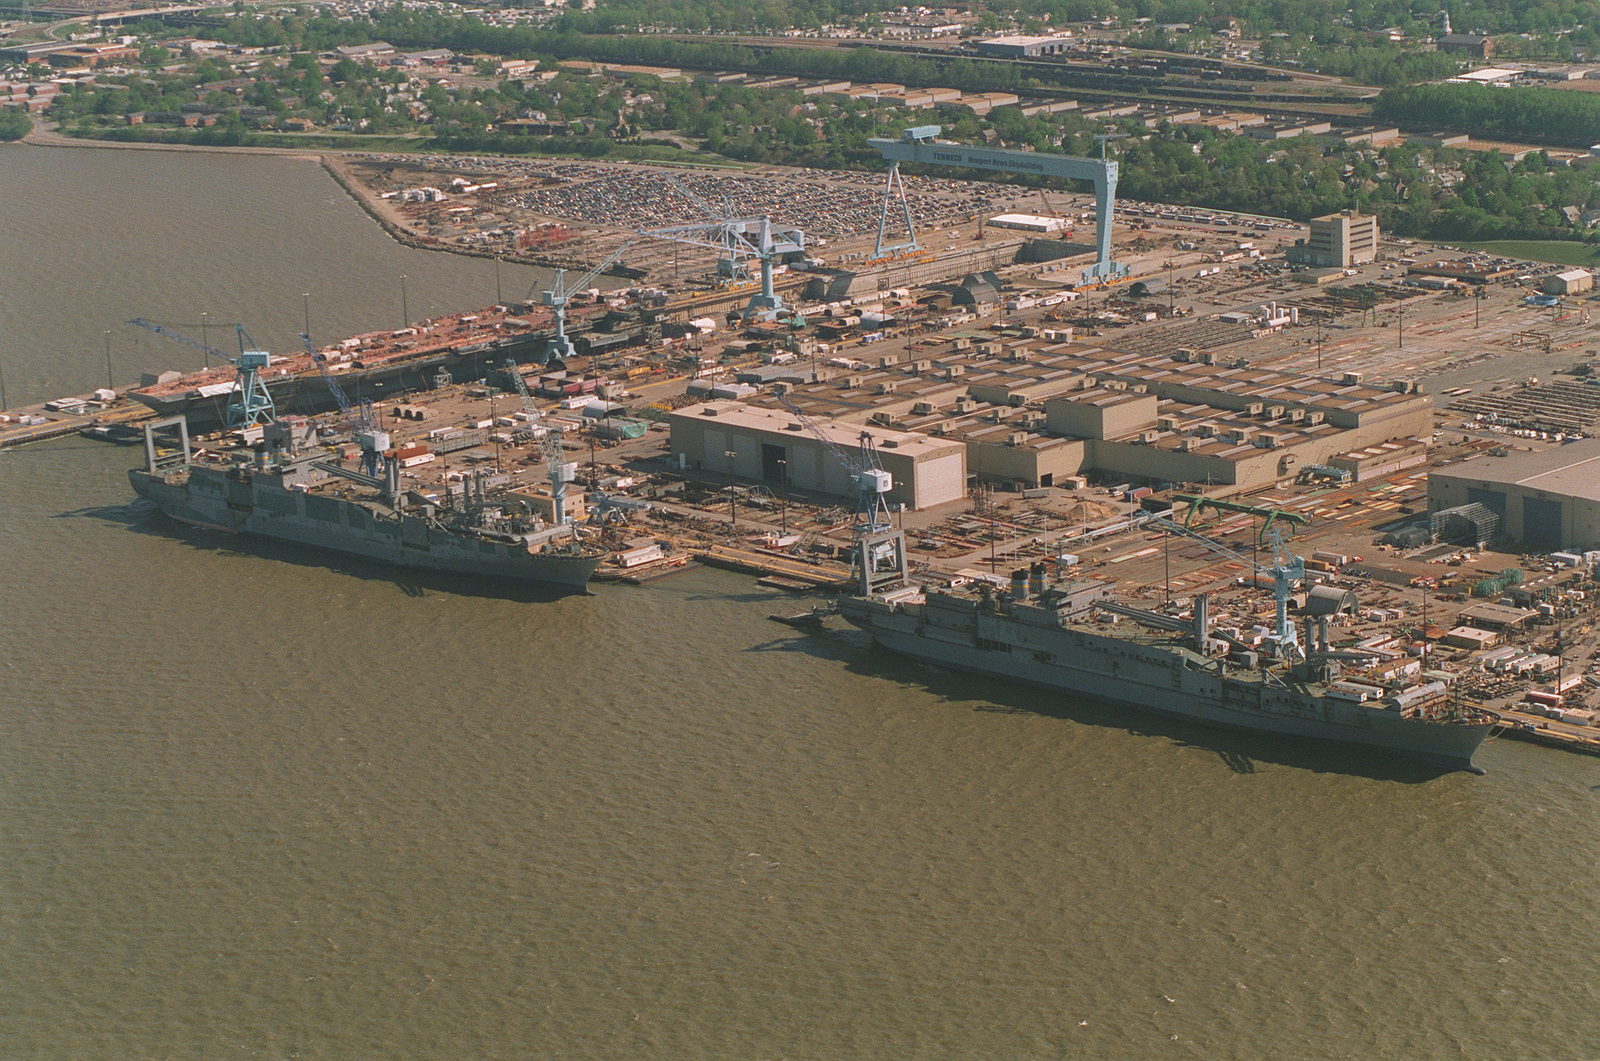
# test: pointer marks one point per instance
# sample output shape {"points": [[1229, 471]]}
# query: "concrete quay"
{"points": [[55, 424]]}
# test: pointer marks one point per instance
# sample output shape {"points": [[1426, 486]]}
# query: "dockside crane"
{"points": [[373, 440], [561, 470], [750, 237], [250, 402], [1285, 571], [558, 347], [879, 549]]}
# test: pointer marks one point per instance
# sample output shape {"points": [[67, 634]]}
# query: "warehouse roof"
{"points": [[733, 414], [1572, 470], [1500, 615]]}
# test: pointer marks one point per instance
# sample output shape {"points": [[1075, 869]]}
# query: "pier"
{"points": [[36, 423]]}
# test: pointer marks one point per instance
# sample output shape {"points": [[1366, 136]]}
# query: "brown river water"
{"points": [[258, 803]]}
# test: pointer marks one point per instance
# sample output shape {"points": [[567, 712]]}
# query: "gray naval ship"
{"points": [[1075, 638], [283, 490]]}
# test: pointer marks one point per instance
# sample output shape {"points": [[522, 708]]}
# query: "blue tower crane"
{"points": [[372, 439], [558, 348], [879, 548], [251, 403]]}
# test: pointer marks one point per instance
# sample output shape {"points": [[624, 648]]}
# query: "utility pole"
{"points": [[1400, 327]]}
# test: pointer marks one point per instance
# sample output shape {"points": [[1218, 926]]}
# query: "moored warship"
{"points": [[1075, 638], [414, 357], [290, 489]]}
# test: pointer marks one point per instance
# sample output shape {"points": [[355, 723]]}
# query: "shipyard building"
{"points": [[1029, 413], [772, 445], [1022, 47], [1547, 500], [1339, 241]]}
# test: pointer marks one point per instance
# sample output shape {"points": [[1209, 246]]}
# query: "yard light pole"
{"points": [[733, 498], [109, 384], [783, 500], [405, 312]]}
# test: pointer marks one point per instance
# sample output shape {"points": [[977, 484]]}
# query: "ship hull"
{"points": [[210, 499], [1154, 679], [309, 390]]}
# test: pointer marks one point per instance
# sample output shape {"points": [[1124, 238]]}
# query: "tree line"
{"points": [[1567, 116]]}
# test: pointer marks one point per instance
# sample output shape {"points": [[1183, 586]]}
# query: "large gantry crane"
{"points": [[880, 550], [919, 145], [748, 237], [249, 403]]}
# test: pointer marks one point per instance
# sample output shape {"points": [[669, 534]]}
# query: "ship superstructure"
{"points": [[290, 488]]}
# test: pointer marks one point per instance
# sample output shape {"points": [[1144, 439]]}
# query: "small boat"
{"points": [[120, 434]]}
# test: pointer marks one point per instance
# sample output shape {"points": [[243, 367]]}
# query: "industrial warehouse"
{"points": [[1546, 499], [1034, 413]]}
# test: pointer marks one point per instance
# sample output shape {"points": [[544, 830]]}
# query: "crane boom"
{"points": [[371, 438], [327, 377], [561, 470], [559, 347], [704, 207], [872, 482], [828, 444], [179, 337], [522, 388]]}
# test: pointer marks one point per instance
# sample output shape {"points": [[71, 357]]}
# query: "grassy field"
{"points": [[1557, 252]]}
